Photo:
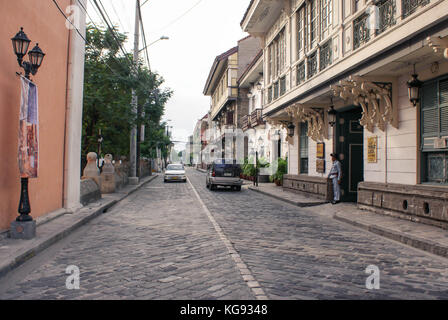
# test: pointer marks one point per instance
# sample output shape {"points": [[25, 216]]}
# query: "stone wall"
{"points": [[313, 186], [419, 203]]}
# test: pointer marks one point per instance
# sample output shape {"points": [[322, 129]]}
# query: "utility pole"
{"points": [[133, 179]]}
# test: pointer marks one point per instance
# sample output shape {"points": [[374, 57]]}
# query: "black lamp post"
{"points": [[20, 44]]}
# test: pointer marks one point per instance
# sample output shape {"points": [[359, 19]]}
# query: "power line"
{"points": [[66, 18], [144, 36], [113, 34], [181, 16]]}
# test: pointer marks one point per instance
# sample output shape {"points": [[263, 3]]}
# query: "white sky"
{"points": [[184, 61]]}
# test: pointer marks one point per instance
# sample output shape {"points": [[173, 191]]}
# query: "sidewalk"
{"points": [[297, 199], [417, 235], [15, 252]]}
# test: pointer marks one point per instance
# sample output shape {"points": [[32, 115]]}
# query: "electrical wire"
{"points": [[66, 18], [113, 34], [144, 36], [181, 16]]}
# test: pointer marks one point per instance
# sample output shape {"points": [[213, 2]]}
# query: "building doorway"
{"points": [[349, 147]]}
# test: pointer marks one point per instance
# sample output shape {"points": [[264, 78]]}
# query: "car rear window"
{"points": [[174, 167]]}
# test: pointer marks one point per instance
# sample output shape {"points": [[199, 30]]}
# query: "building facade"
{"points": [[60, 93], [266, 139], [229, 103], [356, 57]]}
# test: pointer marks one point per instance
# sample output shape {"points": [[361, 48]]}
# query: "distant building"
{"points": [[228, 104]]}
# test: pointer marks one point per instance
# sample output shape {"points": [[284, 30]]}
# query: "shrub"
{"points": [[282, 168]]}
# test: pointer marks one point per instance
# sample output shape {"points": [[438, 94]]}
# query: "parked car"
{"points": [[224, 172], [175, 172]]}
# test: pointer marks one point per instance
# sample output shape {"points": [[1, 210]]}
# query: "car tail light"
{"points": [[213, 174]]}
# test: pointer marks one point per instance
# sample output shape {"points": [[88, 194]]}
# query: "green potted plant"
{"points": [[282, 168]]}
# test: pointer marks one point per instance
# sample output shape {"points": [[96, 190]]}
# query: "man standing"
{"points": [[335, 175]]}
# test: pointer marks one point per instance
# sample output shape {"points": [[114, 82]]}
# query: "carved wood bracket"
{"points": [[315, 117], [375, 99]]}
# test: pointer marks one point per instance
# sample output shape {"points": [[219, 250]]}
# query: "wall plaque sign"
{"points": [[372, 147], [320, 150], [320, 165]]}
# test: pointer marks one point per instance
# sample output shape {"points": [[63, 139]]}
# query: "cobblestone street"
{"points": [[161, 243]]}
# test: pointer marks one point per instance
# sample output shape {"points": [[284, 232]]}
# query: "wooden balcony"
{"points": [[256, 117], [245, 122]]}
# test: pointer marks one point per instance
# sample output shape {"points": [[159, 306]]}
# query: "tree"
{"points": [[109, 79]]}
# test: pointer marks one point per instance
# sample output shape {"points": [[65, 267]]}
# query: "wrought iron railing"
{"points": [[408, 7], [312, 65], [386, 11], [301, 73], [282, 86], [325, 55], [361, 31]]}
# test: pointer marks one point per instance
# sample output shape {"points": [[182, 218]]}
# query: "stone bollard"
{"points": [[108, 175], [91, 170]]}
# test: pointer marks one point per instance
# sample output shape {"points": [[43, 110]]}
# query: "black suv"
{"points": [[224, 172]]}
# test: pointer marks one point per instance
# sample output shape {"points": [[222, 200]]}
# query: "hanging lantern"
{"points": [[332, 116], [291, 127], [414, 86]]}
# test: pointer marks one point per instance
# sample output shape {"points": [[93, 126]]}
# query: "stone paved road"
{"points": [[298, 254], [159, 243], [156, 244]]}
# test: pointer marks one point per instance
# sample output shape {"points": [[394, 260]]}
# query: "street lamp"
{"points": [[414, 86], [161, 38], [20, 44]]}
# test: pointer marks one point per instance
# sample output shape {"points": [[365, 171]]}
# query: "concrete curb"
{"points": [[201, 170], [296, 203], [413, 241], [39, 246]]}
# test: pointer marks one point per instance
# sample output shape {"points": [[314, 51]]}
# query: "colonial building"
{"points": [[60, 95], [356, 58], [228, 103], [200, 142], [269, 141]]}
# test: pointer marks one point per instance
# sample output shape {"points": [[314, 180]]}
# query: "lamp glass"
{"points": [[20, 43], [36, 56], [291, 128]]}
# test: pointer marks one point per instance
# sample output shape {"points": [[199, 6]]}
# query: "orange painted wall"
{"points": [[43, 23]]}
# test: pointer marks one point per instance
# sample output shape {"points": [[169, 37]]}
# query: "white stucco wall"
{"points": [[400, 148]]}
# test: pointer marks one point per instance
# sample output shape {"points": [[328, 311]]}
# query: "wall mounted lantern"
{"points": [[291, 128], [414, 86], [332, 116], [20, 44]]}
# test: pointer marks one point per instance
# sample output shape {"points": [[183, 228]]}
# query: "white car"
{"points": [[175, 172]]}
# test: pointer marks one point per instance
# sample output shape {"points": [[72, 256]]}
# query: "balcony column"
{"points": [[398, 10]]}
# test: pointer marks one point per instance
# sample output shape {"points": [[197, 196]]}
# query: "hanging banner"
{"points": [[28, 130]]}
